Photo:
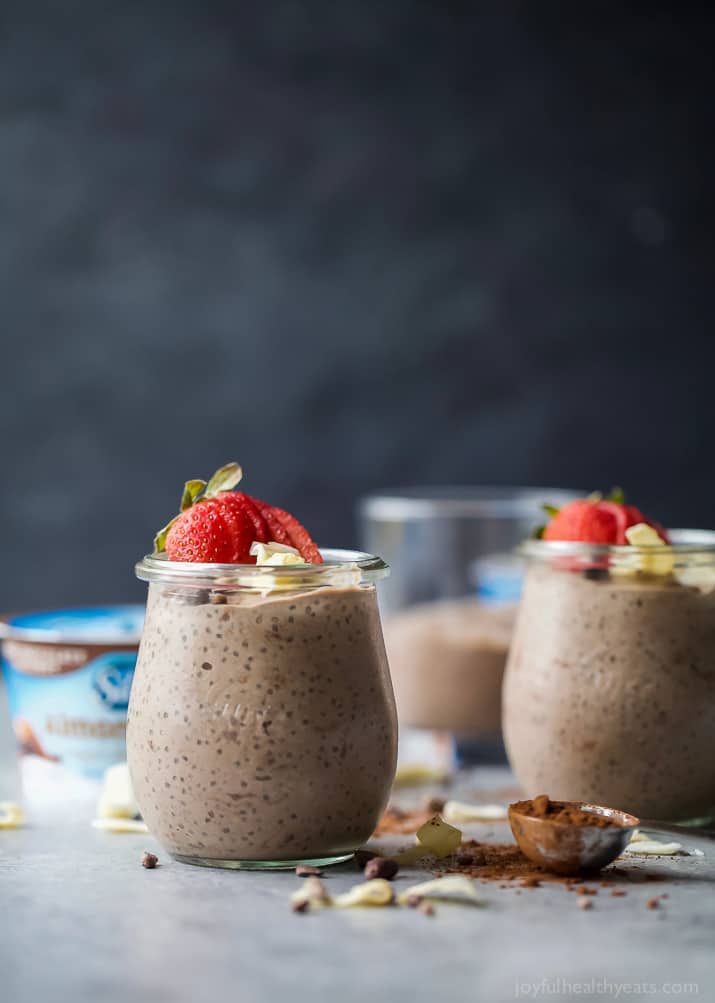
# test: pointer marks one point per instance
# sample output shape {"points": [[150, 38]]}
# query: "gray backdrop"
{"points": [[350, 245]]}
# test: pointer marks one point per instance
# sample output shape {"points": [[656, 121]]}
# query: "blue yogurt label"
{"points": [[69, 674]]}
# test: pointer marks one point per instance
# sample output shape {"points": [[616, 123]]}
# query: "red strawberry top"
{"points": [[217, 525], [596, 520]]}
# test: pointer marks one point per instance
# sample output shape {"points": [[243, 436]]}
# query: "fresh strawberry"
{"points": [[218, 525], [202, 534], [260, 526], [582, 521], [285, 528], [299, 536], [594, 520], [209, 527], [234, 511]]}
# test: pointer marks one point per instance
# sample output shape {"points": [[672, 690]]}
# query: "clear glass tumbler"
{"points": [[262, 730], [449, 610]]}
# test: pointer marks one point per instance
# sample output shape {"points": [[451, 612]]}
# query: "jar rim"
{"points": [[460, 502], [364, 568], [684, 543]]}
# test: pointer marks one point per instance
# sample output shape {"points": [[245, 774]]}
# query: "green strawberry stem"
{"points": [[225, 479], [192, 490], [160, 538]]}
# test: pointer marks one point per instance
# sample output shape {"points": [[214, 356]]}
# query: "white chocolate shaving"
{"points": [[701, 578], [119, 825], [438, 836], [651, 847], [643, 535], [312, 892], [413, 774], [460, 811], [411, 855], [117, 797], [453, 887], [376, 892], [11, 815], [275, 554]]}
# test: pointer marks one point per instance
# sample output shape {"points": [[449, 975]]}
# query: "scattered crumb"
{"points": [[583, 902], [149, 860], [530, 882], [617, 893], [362, 856]]}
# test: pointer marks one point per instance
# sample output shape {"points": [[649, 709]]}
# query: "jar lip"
{"points": [[365, 568], [684, 542], [461, 501]]}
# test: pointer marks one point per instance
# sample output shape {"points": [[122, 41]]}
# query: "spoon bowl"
{"points": [[569, 848]]}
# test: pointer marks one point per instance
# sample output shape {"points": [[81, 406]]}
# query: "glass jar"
{"points": [[262, 729], [449, 609], [609, 691]]}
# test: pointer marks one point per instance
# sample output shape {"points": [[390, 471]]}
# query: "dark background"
{"points": [[350, 245]]}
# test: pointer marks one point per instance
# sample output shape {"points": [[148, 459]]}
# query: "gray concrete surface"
{"points": [[82, 921]]}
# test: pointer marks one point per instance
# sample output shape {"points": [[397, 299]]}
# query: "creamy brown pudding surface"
{"points": [[609, 693], [447, 661], [264, 728]]}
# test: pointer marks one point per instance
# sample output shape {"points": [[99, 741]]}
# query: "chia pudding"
{"points": [[609, 692], [262, 727], [447, 661]]}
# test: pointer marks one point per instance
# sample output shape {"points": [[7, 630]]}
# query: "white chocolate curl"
{"points": [[275, 554], [11, 815], [452, 888], [460, 811]]}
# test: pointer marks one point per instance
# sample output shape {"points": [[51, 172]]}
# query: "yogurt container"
{"points": [[68, 675]]}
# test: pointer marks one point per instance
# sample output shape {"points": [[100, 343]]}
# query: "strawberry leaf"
{"points": [[538, 533], [192, 490], [551, 510], [618, 496], [224, 479], [160, 538]]}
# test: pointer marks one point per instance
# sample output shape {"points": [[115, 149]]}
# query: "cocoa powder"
{"points": [[507, 865], [503, 863], [561, 811]]}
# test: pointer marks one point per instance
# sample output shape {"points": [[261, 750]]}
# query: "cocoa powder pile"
{"points": [[504, 862], [560, 811]]}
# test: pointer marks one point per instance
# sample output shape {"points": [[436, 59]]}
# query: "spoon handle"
{"points": [[671, 829]]}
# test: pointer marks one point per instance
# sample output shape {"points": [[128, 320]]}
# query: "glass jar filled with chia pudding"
{"points": [[262, 729], [609, 691]]}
